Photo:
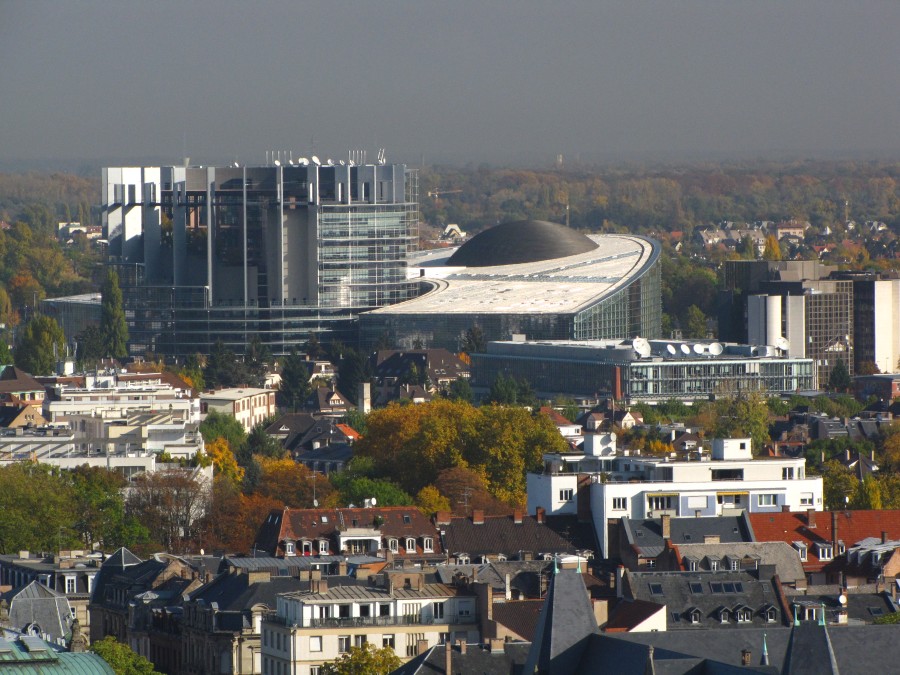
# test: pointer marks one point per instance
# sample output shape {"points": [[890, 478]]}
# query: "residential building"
{"points": [[528, 277], [637, 370], [113, 399], [398, 532], [407, 610], [18, 388], [247, 405], [15, 416], [278, 251], [433, 369], [725, 482], [34, 609]]}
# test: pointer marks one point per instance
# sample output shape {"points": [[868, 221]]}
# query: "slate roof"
{"points": [[333, 452], [630, 613], [645, 536], [438, 364], [852, 527], [314, 524], [709, 593], [37, 604], [860, 607], [235, 593], [778, 553], [477, 659], [501, 534], [290, 425]]}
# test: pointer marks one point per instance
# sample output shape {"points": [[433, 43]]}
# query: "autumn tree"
{"points": [[223, 460], [365, 660], [171, 504], [838, 484], [112, 317], [743, 415], [291, 483], [430, 500], [41, 344], [772, 250]]}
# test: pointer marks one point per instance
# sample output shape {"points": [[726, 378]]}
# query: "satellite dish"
{"points": [[842, 599], [782, 343], [315, 160], [699, 348], [291, 162], [716, 348], [671, 349], [276, 163], [641, 346], [315, 503], [303, 161], [342, 162], [685, 349], [329, 162], [373, 501]]}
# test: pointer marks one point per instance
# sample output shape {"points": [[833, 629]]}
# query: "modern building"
{"points": [[725, 482], [278, 252], [637, 370], [535, 278], [248, 406]]}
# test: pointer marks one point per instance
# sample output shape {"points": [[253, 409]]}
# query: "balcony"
{"points": [[366, 621]]}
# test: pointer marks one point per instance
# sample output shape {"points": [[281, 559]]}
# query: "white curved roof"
{"points": [[561, 285]]}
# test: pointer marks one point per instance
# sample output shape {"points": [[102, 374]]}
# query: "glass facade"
{"points": [[277, 252]]}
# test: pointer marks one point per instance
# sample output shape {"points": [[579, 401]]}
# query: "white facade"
{"points": [[119, 402], [247, 405], [887, 325], [647, 487]]}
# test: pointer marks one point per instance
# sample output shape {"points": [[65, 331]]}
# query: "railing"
{"points": [[363, 621]]}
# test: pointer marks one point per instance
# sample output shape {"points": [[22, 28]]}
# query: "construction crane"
{"points": [[434, 194]]}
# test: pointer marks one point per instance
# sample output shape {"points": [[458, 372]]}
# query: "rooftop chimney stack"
{"points": [[666, 522], [746, 655], [517, 516], [539, 514], [477, 517], [811, 518]]}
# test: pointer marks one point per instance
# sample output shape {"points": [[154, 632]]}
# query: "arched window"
{"points": [[410, 545]]}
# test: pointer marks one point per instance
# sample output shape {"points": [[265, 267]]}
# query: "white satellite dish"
{"points": [[671, 349], [641, 346], [315, 160], [315, 503], [699, 348], [685, 349], [342, 162], [303, 161], [276, 163], [373, 501], [782, 343], [291, 162], [716, 348], [330, 162]]}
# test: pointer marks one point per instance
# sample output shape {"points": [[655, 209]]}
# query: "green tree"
{"points": [[260, 443], [41, 344], [351, 373], [112, 317], [224, 368], [430, 500], [743, 415], [90, 347], [460, 390], [122, 658], [366, 660], [839, 379], [313, 348], [36, 503], [868, 494], [219, 425], [838, 485], [294, 380], [696, 323], [99, 509], [473, 341], [257, 359]]}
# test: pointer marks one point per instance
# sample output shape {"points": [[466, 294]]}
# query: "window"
{"points": [[359, 640], [410, 545], [787, 473], [696, 588], [676, 617], [735, 565], [343, 611], [723, 616], [393, 545], [438, 609], [315, 670], [343, 643], [387, 641], [566, 495], [715, 588], [767, 500], [427, 544], [323, 547], [406, 519], [743, 615], [384, 610], [650, 563], [289, 548], [620, 503], [713, 565], [656, 589], [806, 499], [771, 615], [660, 502], [800, 547], [695, 616], [826, 551], [70, 584], [412, 643]]}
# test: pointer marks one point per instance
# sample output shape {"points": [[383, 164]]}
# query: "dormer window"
{"points": [[723, 616], [695, 616], [393, 545], [842, 548], [825, 551], [307, 547], [462, 560], [743, 615], [801, 549], [323, 547], [289, 548], [428, 544], [713, 565], [771, 615], [410, 545]]}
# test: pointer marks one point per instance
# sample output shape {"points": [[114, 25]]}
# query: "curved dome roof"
{"points": [[521, 241]]}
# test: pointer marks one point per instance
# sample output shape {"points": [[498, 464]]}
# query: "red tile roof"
{"points": [[554, 416], [852, 526]]}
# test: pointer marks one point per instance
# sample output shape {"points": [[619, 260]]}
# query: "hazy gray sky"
{"points": [[454, 81]]}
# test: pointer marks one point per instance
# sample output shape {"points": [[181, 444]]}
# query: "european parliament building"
{"points": [[278, 252]]}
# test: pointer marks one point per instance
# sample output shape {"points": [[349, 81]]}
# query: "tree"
{"points": [[224, 368], [772, 250], [224, 463], [291, 483], [41, 344], [112, 317], [838, 485], [460, 390], [742, 415], [868, 494], [170, 504], [430, 500], [36, 504], [473, 341], [219, 425], [365, 660], [867, 368], [351, 372], [99, 508], [261, 443], [294, 380], [313, 348], [90, 346], [122, 658], [696, 323], [257, 358], [839, 379]]}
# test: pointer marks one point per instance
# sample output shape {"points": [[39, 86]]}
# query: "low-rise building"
{"points": [[247, 405]]}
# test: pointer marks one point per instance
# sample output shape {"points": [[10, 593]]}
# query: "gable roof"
{"points": [[631, 613], [14, 380], [778, 553], [502, 535], [518, 616], [645, 536]]}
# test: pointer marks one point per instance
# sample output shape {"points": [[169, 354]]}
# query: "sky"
{"points": [[137, 81]]}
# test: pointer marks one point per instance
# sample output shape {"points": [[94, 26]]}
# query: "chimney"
{"points": [[365, 398], [884, 537], [666, 522], [847, 454], [746, 655], [711, 539], [834, 532], [462, 646], [448, 657], [342, 568], [517, 516], [442, 518], [620, 576], [318, 586], [697, 513], [539, 514], [785, 508], [477, 517], [811, 518], [496, 645], [421, 646], [507, 591]]}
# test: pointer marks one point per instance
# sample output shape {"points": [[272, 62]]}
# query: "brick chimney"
{"points": [[539, 514], [834, 532], [462, 646], [517, 516], [811, 518], [746, 655], [478, 517], [666, 522], [421, 646], [448, 657], [442, 518], [495, 645]]}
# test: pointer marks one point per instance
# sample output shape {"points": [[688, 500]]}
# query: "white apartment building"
{"points": [[725, 482], [402, 610], [248, 406], [119, 401]]}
